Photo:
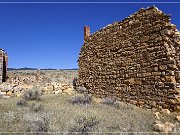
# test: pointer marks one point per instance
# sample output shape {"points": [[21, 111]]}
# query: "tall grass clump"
{"points": [[36, 107], [32, 94], [110, 102], [81, 99], [83, 125], [37, 124], [21, 102], [81, 89]]}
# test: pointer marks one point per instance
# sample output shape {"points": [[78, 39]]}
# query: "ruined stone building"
{"points": [[136, 60], [3, 65]]}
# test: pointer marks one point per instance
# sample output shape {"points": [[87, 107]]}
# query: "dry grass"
{"points": [[62, 115], [54, 113], [32, 94], [21, 102], [81, 99]]}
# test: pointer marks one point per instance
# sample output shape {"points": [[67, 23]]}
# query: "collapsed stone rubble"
{"points": [[48, 83]]}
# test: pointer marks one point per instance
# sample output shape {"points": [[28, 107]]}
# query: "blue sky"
{"points": [[41, 35]]}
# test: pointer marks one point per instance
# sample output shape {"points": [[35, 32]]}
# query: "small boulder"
{"points": [[6, 96], [165, 111], [163, 127], [97, 100], [56, 92], [48, 89], [1, 95], [9, 93], [18, 95], [5, 87], [157, 115], [69, 91], [178, 118]]}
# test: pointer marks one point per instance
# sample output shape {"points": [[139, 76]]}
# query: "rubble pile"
{"points": [[47, 83]]}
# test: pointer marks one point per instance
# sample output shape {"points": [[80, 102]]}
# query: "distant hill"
{"points": [[69, 69], [48, 69], [11, 69], [26, 68]]}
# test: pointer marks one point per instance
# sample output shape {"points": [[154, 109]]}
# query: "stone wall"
{"points": [[3, 65], [135, 60]]}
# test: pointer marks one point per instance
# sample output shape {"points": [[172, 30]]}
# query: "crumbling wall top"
{"points": [[137, 15]]}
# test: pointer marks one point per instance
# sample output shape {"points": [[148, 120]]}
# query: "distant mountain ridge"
{"points": [[26, 68]]}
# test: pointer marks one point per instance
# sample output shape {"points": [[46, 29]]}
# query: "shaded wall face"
{"points": [[5, 62], [3, 66], [135, 61]]}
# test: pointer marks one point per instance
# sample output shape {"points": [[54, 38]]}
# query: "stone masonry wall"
{"points": [[136, 60], [3, 65]]}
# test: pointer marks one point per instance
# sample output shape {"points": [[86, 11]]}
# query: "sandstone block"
{"points": [[164, 127]]}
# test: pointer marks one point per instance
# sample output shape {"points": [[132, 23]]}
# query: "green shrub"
{"points": [[110, 102], [35, 107], [32, 94], [37, 125], [84, 124], [81, 89], [81, 99], [21, 102]]}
